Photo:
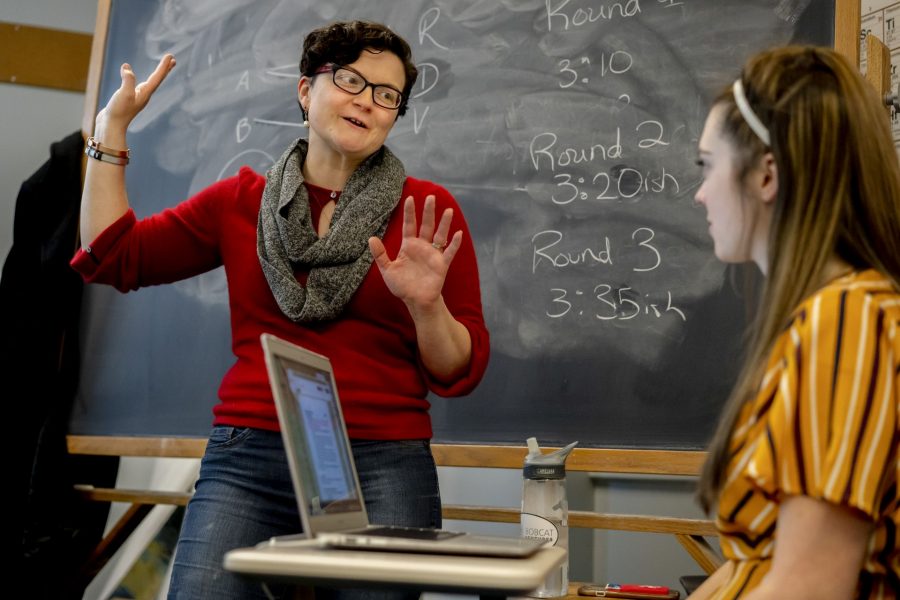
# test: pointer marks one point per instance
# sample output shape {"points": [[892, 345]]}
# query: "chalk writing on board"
{"points": [[616, 63], [566, 129]]}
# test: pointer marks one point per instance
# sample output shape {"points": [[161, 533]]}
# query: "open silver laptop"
{"points": [[329, 496]]}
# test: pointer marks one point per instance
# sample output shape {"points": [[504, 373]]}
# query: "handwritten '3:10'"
{"points": [[611, 304]]}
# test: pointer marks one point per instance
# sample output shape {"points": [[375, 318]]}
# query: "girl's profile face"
{"points": [[738, 234]]}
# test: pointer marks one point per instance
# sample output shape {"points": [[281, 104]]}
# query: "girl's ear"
{"points": [[768, 178]]}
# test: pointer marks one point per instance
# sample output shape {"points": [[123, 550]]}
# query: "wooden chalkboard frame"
{"points": [[607, 460], [689, 532], [846, 41]]}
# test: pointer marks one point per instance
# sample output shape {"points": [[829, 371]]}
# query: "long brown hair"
{"points": [[838, 196]]}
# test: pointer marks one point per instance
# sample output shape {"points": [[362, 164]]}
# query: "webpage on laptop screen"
{"points": [[335, 488]]}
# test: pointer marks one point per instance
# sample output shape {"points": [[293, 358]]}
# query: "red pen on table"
{"points": [[633, 591], [639, 589]]}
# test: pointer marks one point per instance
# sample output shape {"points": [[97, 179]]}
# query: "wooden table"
{"points": [[307, 562]]}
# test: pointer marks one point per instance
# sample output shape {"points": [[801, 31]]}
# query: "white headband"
{"points": [[749, 116]]}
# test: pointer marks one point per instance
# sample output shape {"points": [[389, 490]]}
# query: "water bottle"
{"points": [[545, 510]]}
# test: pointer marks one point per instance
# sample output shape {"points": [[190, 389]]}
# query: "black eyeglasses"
{"points": [[354, 83]]}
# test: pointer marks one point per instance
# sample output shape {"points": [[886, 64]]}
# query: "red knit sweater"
{"points": [[372, 345]]}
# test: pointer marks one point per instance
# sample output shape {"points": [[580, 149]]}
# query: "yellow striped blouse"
{"points": [[824, 425]]}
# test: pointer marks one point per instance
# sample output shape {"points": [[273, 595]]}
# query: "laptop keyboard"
{"points": [[411, 533]]}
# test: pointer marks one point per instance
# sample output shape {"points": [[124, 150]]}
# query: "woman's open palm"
{"points": [[417, 274]]}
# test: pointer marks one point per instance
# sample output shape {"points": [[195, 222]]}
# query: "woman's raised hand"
{"points": [[417, 274], [104, 197], [132, 97]]}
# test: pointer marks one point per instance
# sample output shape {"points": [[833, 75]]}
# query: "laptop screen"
{"points": [[324, 465]]}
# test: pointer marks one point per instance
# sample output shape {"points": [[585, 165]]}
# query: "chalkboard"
{"points": [[567, 131]]}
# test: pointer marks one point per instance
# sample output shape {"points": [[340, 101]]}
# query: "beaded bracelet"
{"points": [[98, 151]]}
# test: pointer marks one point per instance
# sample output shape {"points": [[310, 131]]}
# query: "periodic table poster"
{"points": [[881, 18]]}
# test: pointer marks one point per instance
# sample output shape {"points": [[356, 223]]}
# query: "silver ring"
{"points": [[438, 245]]}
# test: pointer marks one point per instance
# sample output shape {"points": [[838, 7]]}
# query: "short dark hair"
{"points": [[342, 43]]}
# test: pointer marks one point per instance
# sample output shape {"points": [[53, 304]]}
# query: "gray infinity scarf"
{"points": [[286, 236]]}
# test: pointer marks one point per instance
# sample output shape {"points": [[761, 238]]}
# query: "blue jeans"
{"points": [[244, 496]]}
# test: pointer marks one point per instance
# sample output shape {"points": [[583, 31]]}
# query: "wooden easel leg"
{"points": [[701, 551], [111, 543]]}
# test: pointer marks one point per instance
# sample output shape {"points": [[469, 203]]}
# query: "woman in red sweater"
{"points": [[298, 245]]}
